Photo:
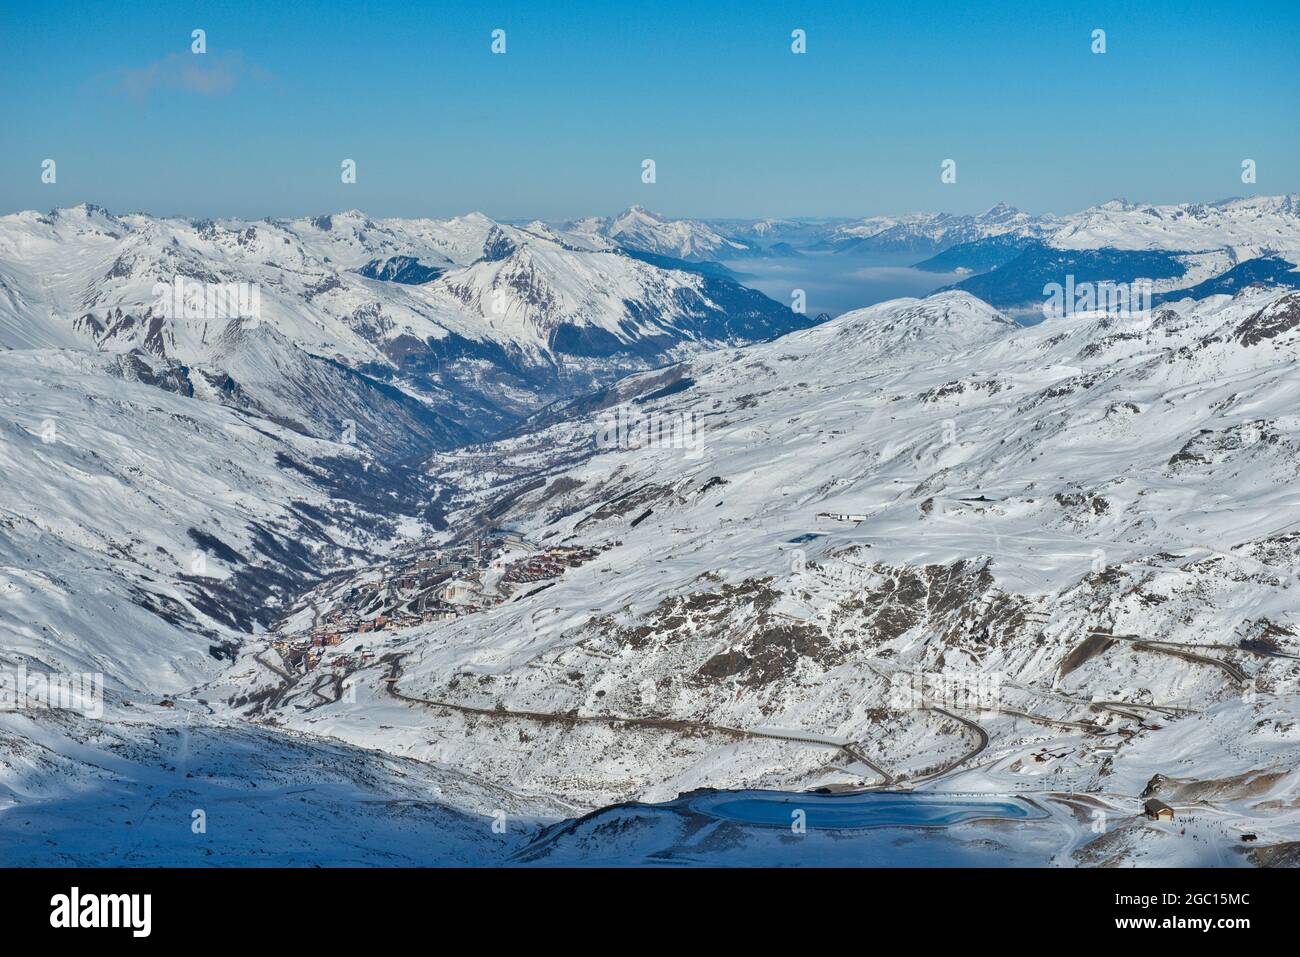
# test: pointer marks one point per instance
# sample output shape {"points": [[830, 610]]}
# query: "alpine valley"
{"points": [[415, 541]]}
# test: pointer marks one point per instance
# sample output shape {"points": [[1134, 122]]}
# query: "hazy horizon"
{"points": [[525, 218]]}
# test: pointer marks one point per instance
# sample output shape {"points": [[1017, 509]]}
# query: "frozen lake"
{"points": [[762, 828], [850, 811]]}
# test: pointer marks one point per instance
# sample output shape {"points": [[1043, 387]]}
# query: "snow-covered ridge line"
{"points": [[420, 333], [1248, 226]]}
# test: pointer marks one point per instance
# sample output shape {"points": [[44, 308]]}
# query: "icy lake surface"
{"points": [[871, 809]]}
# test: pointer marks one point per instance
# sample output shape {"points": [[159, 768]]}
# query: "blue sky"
{"points": [[737, 124]]}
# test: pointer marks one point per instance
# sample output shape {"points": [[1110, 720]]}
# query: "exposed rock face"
{"points": [[1275, 319]]}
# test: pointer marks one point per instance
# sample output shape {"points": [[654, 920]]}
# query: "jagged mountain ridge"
{"points": [[507, 318], [638, 228]]}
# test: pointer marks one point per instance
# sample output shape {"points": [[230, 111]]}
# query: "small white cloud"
{"points": [[206, 75]]}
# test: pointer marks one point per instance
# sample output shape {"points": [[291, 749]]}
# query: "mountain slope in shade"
{"points": [[144, 534], [1265, 270], [1022, 279], [980, 255], [78, 792]]}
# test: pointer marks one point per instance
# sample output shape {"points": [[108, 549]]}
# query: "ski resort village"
{"points": [[425, 585]]}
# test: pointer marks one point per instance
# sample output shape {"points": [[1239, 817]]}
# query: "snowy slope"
{"points": [[512, 318], [922, 489], [157, 787], [144, 534]]}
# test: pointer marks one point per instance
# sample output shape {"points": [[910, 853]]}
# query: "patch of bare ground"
{"points": [[771, 652], [681, 617], [627, 502], [1286, 854], [1250, 784], [959, 600], [1085, 651]]}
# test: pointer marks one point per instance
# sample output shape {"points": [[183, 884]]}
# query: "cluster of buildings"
{"points": [[308, 654], [434, 584], [548, 564]]}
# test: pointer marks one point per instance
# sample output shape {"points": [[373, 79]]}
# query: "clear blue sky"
{"points": [[558, 126]]}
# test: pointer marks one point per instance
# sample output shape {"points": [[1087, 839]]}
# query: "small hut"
{"points": [[1158, 810]]}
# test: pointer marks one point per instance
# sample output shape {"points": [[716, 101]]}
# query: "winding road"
{"points": [[974, 752], [675, 725], [1179, 651]]}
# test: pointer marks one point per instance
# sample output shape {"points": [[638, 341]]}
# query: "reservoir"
{"points": [[862, 810]]}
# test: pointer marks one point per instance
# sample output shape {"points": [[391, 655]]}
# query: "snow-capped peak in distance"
{"points": [[1190, 249], [924, 234], [1246, 228], [640, 229], [1247, 225]]}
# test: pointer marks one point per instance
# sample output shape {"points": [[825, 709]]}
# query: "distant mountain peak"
{"points": [[999, 209], [637, 213]]}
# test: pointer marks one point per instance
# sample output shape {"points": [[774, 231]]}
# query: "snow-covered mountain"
{"points": [[1248, 226], [638, 228], [1190, 250], [1007, 255], [447, 329], [796, 233], [924, 234], [918, 546], [921, 492]]}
